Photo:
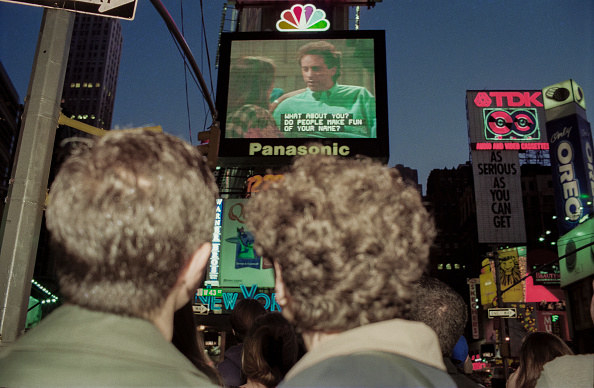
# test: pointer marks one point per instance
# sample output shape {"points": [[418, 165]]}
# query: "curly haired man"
{"points": [[348, 240]]}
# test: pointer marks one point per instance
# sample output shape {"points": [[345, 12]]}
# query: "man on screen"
{"points": [[326, 108]]}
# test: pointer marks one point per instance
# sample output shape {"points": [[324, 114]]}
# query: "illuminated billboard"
{"points": [[233, 262], [506, 120], [577, 252], [498, 193], [572, 159], [278, 92], [512, 268], [564, 93]]}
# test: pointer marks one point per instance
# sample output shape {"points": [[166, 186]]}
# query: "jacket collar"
{"points": [[411, 339]]}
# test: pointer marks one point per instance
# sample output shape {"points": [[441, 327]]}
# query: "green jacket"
{"points": [[74, 346]]}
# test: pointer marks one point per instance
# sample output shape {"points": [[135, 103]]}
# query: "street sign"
{"points": [[122, 9], [503, 312], [200, 309], [217, 292]]}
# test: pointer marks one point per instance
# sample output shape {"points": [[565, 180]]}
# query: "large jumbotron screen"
{"points": [[277, 91]]}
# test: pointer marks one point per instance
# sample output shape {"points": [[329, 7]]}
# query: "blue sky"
{"points": [[436, 51]]}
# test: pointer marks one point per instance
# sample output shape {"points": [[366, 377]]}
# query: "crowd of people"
{"points": [[131, 220]]}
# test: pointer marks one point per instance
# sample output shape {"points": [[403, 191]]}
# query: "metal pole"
{"points": [[502, 321], [26, 196], [187, 52]]}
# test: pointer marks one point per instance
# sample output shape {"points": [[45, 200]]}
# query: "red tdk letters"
{"points": [[508, 99]]}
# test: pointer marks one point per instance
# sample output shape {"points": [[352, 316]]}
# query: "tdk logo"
{"points": [[508, 99]]}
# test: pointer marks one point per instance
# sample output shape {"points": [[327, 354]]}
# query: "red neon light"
{"points": [[508, 99], [483, 146], [510, 146], [535, 146]]}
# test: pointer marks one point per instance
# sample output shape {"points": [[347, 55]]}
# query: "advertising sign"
{"points": [[498, 192], [554, 322], [506, 120], [488, 286], [563, 93], [474, 315], [234, 263], [278, 92], [572, 161], [577, 257], [511, 268]]}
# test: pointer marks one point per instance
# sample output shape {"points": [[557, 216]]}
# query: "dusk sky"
{"points": [[436, 50]]}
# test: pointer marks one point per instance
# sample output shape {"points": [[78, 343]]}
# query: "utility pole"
{"points": [[503, 332], [26, 196]]}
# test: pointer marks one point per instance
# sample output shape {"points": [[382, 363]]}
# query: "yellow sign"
{"points": [[510, 273]]}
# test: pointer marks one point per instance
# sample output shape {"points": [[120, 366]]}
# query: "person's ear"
{"points": [[281, 293], [279, 286], [193, 272]]}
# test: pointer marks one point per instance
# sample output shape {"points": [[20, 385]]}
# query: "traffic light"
{"points": [[209, 146]]}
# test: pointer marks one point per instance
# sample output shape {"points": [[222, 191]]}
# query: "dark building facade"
{"points": [[92, 70], [456, 254], [410, 176]]}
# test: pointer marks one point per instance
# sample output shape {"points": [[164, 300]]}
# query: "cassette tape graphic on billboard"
{"points": [[511, 124], [506, 120]]}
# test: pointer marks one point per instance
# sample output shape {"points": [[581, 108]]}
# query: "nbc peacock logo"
{"points": [[303, 18]]}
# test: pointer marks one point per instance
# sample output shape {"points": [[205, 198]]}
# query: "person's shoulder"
{"points": [[288, 97], [562, 361], [575, 370], [352, 90], [370, 369]]}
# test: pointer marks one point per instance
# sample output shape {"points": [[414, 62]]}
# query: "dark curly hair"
{"points": [[350, 236]]}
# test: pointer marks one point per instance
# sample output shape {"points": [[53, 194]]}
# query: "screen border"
{"points": [[235, 151]]}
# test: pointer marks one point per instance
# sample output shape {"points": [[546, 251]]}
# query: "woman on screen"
{"points": [[251, 81]]}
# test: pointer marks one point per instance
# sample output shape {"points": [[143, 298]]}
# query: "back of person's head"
{"points": [[351, 239], [332, 57], [251, 80], [537, 349], [125, 214], [271, 348], [440, 307], [244, 315]]}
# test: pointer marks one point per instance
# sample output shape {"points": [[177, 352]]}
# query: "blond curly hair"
{"points": [[350, 236]]}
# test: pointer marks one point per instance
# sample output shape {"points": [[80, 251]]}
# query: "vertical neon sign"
{"points": [[213, 271]]}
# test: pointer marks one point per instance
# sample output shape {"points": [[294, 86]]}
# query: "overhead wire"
{"points": [[206, 49], [181, 6], [203, 43], [188, 54]]}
